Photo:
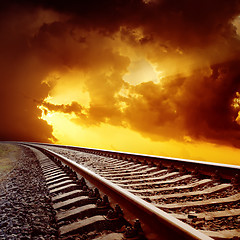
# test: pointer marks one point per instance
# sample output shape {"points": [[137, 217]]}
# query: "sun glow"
{"points": [[123, 139], [69, 129], [236, 101], [67, 87], [142, 71]]}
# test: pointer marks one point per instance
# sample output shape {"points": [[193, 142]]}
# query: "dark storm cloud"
{"points": [[40, 37], [178, 22], [199, 106], [21, 73]]}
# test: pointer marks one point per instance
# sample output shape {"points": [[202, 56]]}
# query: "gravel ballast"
{"points": [[25, 207]]}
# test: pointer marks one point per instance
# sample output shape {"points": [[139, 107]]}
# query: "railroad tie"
{"points": [[230, 199], [192, 193], [157, 190], [68, 195], [224, 234]]}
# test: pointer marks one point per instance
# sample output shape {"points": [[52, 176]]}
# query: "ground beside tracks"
{"points": [[25, 208]]}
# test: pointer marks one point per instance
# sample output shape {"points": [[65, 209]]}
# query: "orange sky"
{"points": [[156, 77]]}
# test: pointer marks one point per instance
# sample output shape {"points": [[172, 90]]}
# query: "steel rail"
{"points": [[225, 171], [161, 223]]}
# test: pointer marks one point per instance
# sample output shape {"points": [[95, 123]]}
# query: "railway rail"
{"points": [[173, 198]]}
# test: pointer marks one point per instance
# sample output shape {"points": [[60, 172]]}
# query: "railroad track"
{"points": [[180, 199], [81, 212]]}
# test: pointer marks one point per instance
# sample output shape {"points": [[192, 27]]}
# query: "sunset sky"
{"points": [[157, 77]]}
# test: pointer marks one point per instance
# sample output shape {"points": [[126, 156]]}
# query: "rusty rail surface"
{"points": [[161, 224]]}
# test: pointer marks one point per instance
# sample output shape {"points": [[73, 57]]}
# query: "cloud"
{"points": [[198, 107], [193, 42], [21, 75], [180, 23]]}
